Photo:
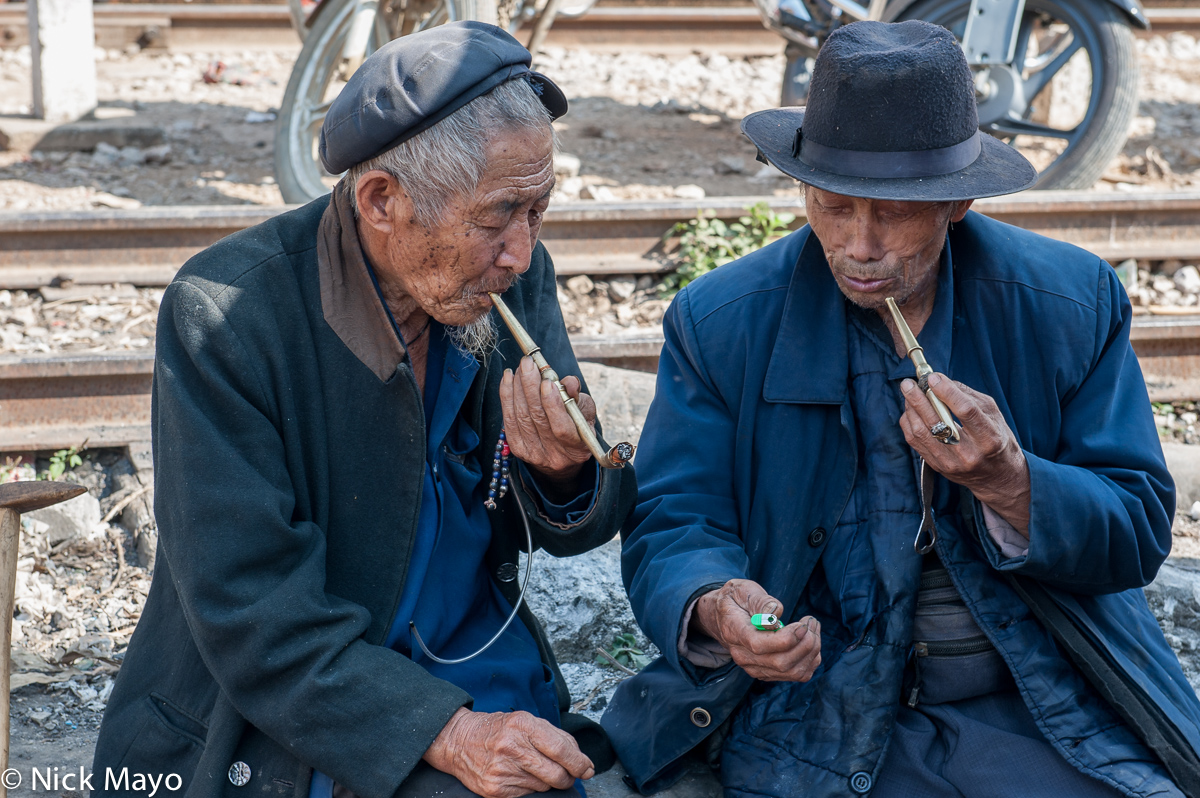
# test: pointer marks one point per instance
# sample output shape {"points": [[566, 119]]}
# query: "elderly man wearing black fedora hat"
{"points": [[848, 599], [349, 458]]}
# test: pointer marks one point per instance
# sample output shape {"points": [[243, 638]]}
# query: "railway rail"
{"points": [[50, 402], [732, 27], [145, 246]]}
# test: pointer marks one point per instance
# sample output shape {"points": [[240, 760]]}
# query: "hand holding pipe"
{"points": [[617, 456], [17, 498], [948, 433]]}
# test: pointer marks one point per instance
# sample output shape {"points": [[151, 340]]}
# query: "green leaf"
{"points": [[625, 651], [706, 243]]}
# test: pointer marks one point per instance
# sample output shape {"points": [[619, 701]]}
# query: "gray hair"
{"points": [[447, 161]]}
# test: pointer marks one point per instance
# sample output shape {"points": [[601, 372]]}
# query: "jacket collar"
{"points": [[810, 360], [349, 301]]}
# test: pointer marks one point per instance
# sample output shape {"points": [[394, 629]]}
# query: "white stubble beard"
{"points": [[477, 339]]}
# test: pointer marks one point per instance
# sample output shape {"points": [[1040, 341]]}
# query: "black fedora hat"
{"points": [[891, 115]]}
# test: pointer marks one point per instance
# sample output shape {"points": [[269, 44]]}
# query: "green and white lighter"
{"points": [[765, 622]]}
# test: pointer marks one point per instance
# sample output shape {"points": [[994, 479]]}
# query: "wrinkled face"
{"points": [[483, 241], [880, 248]]}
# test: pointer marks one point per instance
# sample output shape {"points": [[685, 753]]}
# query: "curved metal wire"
{"points": [[412, 626]]}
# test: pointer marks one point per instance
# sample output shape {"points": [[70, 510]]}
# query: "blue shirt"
{"points": [[448, 592]]}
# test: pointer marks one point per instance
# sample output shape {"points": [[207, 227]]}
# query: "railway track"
{"points": [[729, 27], [145, 246], [49, 402]]}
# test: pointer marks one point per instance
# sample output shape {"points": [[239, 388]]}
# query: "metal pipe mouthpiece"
{"points": [[617, 456], [945, 430]]}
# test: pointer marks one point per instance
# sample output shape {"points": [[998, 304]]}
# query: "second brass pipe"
{"points": [[917, 354]]}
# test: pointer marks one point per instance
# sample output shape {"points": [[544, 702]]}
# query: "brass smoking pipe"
{"points": [[617, 456], [946, 431]]}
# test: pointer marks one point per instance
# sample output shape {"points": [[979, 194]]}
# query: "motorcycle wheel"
{"points": [[1073, 87], [321, 71], [796, 74]]}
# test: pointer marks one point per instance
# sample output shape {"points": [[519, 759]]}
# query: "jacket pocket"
{"points": [[169, 741], [177, 719]]}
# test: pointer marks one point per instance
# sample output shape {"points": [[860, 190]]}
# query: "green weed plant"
{"points": [[624, 649], [706, 242], [61, 460]]}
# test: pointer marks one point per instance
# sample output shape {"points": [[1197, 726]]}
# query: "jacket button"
{"points": [[700, 717], [861, 782], [239, 774], [507, 572], [816, 537]]}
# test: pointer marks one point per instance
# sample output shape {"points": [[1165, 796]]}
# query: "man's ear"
{"points": [[382, 203], [960, 210]]}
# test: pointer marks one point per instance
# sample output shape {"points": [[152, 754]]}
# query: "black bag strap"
{"points": [[1143, 715]]}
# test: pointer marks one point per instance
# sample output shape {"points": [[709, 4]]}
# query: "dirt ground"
{"points": [[642, 125]]}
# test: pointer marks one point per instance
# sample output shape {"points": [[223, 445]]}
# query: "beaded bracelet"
{"points": [[499, 484]]}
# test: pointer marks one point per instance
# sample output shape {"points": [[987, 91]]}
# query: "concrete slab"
{"points": [[1183, 460], [20, 133], [25, 134], [622, 399], [85, 135]]}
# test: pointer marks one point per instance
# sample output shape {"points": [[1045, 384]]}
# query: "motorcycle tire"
{"points": [[313, 86], [796, 74], [1105, 36]]}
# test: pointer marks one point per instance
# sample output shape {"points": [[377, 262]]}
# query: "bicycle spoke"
{"points": [[1021, 127], [315, 115], [1045, 56], [1041, 79], [1022, 49]]}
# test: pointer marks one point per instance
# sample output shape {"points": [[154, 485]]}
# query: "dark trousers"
{"points": [[428, 782], [982, 747]]}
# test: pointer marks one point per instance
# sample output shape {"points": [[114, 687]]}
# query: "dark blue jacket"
{"points": [[748, 458]]}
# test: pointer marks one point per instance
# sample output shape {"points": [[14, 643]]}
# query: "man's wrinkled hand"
{"points": [[790, 655], [506, 754], [539, 429], [988, 459]]}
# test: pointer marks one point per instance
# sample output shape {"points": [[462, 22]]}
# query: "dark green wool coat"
{"points": [[287, 485]]}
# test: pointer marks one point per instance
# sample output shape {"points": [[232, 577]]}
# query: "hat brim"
{"points": [[999, 169], [551, 95]]}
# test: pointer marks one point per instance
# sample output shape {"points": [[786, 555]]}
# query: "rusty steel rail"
{"points": [[50, 402], [732, 27], [1168, 348], [55, 401], [143, 247], [147, 245]]}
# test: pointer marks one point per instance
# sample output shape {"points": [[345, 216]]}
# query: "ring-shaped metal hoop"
{"points": [[927, 522], [412, 626]]}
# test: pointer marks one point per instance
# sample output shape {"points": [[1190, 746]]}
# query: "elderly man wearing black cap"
{"points": [[853, 594], [349, 458]]}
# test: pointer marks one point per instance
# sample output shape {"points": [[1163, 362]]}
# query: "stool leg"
{"points": [[10, 539]]}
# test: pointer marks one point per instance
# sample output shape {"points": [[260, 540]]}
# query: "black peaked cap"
{"points": [[412, 83]]}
